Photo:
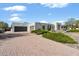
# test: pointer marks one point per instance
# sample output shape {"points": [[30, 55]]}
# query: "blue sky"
{"points": [[38, 12]]}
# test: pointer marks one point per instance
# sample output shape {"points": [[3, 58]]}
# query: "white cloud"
{"points": [[15, 19], [14, 15], [55, 5], [15, 8], [43, 21]]}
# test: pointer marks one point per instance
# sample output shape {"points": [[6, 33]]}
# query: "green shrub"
{"points": [[33, 31], [74, 30], [39, 31], [59, 37]]}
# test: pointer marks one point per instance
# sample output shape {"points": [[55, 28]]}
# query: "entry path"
{"points": [[34, 45]]}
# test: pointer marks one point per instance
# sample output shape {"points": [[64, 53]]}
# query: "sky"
{"points": [[38, 12]]}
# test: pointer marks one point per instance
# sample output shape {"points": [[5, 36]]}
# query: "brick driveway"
{"points": [[25, 44]]}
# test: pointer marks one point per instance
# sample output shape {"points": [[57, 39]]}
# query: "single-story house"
{"points": [[19, 26]]}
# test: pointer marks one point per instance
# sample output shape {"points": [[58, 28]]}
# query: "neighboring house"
{"points": [[19, 26], [41, 26]]}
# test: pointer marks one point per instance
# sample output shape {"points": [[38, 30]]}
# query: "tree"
{"points": [[77, 23], [71, 23], [3, 25], [6, 25]]}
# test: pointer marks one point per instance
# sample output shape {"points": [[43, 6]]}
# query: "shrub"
{"points": [[73, 30], [33, 31], [59, 37], [39, 31]]}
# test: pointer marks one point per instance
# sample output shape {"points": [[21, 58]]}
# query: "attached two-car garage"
{"points": [[20, 27]]}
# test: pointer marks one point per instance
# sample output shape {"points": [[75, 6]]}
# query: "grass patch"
{"points": [[59, 37], [74, 30]]}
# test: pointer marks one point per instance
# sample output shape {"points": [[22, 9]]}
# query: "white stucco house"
{"points": [[25, 26]]}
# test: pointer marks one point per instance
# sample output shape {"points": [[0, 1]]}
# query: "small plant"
{"points": [[33, 31], [39, 31]]}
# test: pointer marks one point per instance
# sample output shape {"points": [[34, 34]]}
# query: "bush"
{"points": [[59, 37], [39, 31], [74, 30], [33, 31]]}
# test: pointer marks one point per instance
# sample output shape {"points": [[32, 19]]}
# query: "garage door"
{"points": [[20, 29]]}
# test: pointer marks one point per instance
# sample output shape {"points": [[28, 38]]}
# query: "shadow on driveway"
{"points": [[11, 35]]}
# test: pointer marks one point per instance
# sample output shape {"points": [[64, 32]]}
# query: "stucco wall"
{"points": [[40, 25]]}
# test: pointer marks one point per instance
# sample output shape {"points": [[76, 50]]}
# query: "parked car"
{"points": [[8, 29], [1, 30]]}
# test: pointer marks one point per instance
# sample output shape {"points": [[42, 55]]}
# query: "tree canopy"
{"points": [[72, 23], [3, 25]]}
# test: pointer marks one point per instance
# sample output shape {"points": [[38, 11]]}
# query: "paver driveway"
{"points": [[33, 45]]}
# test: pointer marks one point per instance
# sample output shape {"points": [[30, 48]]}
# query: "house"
{"points": [[41, 26], [20, 26]]}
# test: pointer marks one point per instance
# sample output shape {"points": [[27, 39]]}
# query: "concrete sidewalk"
{"points": [[35, 45]]}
